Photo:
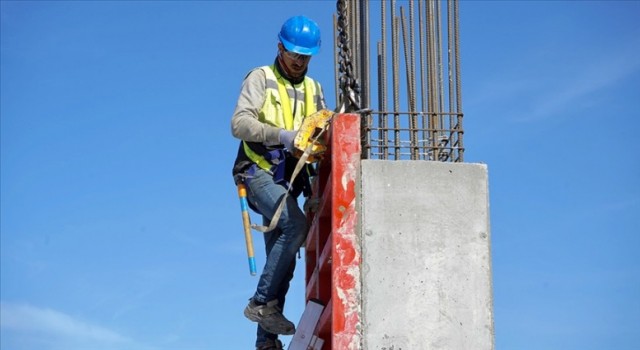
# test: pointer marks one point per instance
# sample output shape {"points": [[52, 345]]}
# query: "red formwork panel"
{"points": [[345, 262], [320, 229], [333, 262]]}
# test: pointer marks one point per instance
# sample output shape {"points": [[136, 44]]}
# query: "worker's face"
{"points": [[294, 63]]}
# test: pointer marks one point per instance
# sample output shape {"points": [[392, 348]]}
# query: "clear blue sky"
{"points": [[120, 226]]}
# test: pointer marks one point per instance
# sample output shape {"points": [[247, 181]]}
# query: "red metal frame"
{"points": [[332, 249]]}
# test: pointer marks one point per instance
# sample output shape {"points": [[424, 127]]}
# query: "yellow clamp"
{"points": [[312, 126]]}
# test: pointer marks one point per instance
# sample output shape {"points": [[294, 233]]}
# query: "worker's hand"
{"points": [[311, 205], [286, 138]]}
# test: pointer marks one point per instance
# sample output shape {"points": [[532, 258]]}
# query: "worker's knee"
{"points": [[293, 215], [296, 227]]}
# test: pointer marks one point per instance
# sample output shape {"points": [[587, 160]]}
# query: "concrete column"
{"points": [[426, 260]]}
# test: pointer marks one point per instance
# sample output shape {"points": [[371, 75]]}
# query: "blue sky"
{"points": [[120, 227]]}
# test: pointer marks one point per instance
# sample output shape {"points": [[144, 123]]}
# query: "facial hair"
{"points": [[286, 73]]}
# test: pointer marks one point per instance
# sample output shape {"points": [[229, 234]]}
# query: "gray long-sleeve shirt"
{"points": [[244, 123]]}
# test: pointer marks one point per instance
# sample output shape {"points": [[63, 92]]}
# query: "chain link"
{"points": [[347, 82]]}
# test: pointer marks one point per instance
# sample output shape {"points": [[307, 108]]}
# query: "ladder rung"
{"points": [[324, 262], [307, 326], [312, 286]]}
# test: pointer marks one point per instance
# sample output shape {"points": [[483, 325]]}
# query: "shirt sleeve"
{"points": [[244, 122]]}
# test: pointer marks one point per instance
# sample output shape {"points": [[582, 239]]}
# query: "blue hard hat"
{"points": [[301, 35]]}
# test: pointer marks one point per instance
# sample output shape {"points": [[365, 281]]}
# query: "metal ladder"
{"points": [[304, 339]]}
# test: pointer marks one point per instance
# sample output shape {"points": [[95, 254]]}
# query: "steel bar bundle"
{"points": [[419, 76]]}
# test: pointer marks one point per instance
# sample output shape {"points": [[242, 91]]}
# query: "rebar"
{"points": [[395, 77], [456, 39], [382, 78], [412, 83], [363, 45], [427, 122], [422, 59]]}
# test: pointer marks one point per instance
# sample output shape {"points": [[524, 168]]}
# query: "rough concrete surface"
{"points": [[426, 262]]}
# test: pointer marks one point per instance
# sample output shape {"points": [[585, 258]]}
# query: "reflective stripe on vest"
{"points": [[277, 111]]}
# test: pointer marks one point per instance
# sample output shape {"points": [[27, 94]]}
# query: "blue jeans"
{"points": [[282, 244]]}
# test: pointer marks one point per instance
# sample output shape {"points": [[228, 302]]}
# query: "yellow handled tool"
{"points": [[246, 223]]}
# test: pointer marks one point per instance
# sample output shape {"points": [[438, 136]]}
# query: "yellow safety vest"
{"points": [[277, 111]]}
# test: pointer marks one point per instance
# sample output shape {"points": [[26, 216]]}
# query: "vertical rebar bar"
{"points": [[363, 46], [423, 88], [407, 68], [382, 82], [440, 65], [354, 33], [413, 107], [450, 48], [395, 75], [380, 94], [459, 144], [431, 65], [396, 89], [450, 78]]}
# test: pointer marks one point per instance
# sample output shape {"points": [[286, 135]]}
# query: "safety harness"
{"points": [[277, 111]]}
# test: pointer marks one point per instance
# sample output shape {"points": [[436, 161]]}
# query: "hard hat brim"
{"points": [[298, 49]]}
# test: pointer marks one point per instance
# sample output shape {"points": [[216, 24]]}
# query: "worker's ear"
{"points": [[280, 50]]}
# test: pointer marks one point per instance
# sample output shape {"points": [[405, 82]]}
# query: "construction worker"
{"points": [[272, 104]]}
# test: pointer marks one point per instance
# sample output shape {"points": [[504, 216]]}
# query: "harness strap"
{"points": [[299, 165], [256, 158]]}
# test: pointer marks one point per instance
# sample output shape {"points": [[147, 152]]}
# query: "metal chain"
{"points": [[347, 82]]}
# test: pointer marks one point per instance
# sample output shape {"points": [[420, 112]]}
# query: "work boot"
{"points": [[269, 317], [271, 344]]}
